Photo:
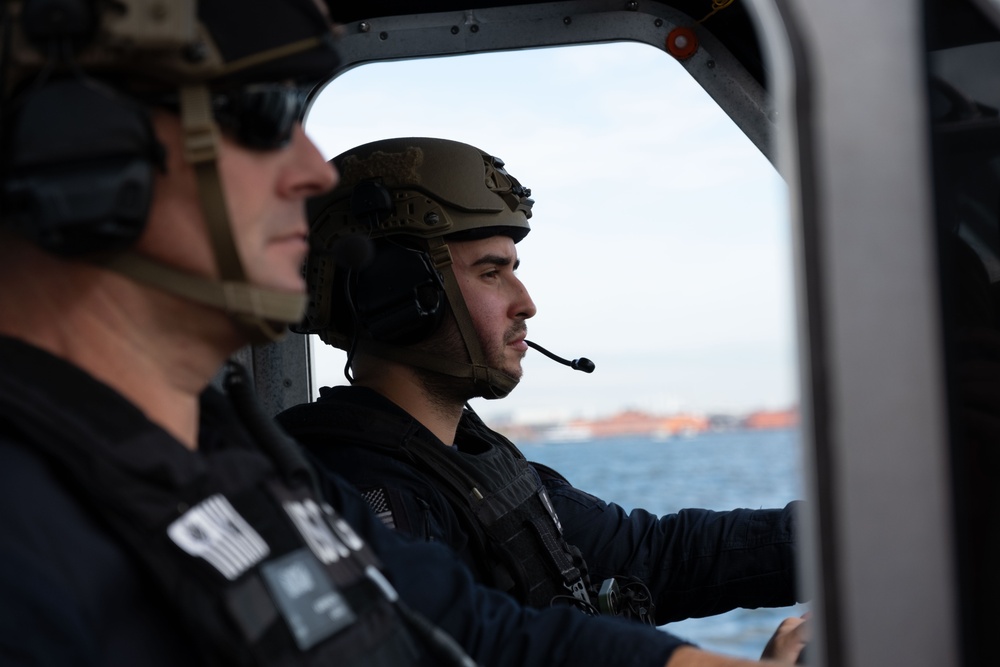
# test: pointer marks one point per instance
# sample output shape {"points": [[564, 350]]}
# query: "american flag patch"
{"points": [[378, 501], [215, 531]]}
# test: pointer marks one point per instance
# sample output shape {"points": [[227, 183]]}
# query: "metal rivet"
{"points": [[658, 23], [383, 35], [710, 64], [431, 218], [454, 29], [567, 20], [474, 28], [632, 5], [364, 26], [286, 383]]}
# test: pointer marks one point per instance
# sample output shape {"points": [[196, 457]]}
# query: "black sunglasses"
{"points": [[261, 116]]}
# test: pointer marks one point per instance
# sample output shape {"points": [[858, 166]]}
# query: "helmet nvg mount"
{"points": [[78, 153], [379, 270]]}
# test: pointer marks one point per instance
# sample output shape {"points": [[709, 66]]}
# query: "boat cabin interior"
{"points": [[883, 119]]}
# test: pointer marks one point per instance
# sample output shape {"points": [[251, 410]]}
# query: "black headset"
{"points": [[78, 157], [398, 296]]}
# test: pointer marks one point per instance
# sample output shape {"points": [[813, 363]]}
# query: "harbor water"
{"points": [[717, 471]]}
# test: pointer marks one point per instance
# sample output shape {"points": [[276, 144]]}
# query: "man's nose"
{"points": [[525, 307]]}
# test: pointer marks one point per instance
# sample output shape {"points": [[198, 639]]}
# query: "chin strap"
{"points": [[260, 312], [488, 382]]}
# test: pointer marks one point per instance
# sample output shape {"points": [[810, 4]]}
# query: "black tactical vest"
{"points": [[513, 522], [516, 527], [259, 568], [513, 529]]}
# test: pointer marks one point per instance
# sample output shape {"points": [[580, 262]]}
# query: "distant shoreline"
{"points": [[635, 423]]}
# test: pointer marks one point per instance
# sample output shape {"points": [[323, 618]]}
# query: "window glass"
{"points": [[659, 249]]}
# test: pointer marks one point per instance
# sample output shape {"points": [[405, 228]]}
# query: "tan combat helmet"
{"points": [[407, 198]]}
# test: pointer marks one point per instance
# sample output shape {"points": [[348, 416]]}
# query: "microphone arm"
{"points": [[582, 364]]}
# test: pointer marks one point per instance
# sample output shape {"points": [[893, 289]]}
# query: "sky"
{"points": [[660, 242]]}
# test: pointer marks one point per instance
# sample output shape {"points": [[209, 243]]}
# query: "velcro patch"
{"points": [[215, 531], [378, 501]]}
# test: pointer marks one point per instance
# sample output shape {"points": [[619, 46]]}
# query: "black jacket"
{"points": [[72, 591], [696, 562]]}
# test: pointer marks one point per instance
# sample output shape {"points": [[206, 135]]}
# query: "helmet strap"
{"points": [[201, 151], [488, 382], [260, 312], [271, 308]]}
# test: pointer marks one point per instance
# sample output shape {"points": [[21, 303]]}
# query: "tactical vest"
{"points": [[259, 568], [518, 529], [515, 527], [514, 532]]}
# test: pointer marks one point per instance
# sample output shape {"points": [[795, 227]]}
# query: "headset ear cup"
{"points": [[399, 298], [78, 174]]}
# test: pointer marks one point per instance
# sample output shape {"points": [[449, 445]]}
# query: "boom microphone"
{"points": [[582, 364]]}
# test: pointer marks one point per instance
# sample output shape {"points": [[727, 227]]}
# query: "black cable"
{"points": [[571, 601], [440, 642], [352, 348], [289, 458], [582, 364], [285, 452]]}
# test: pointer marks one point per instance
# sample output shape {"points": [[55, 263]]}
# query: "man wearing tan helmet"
{"points": [[413, 273]]}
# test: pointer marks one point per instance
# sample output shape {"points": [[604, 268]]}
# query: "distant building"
{"points": [[636, 423], [633, 422], [771, 419]]}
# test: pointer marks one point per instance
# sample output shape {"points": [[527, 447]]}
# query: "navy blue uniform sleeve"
{"points": [[489, 625], [695, 562]]}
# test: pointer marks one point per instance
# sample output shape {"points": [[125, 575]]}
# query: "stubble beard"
{"points": [[447, 391], [443, 390]]}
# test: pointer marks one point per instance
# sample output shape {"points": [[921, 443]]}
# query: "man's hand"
{"points": [[788, 640], [783, 648]]}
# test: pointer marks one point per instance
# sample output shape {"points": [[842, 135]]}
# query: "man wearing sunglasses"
{"points": [[153, 184]]}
